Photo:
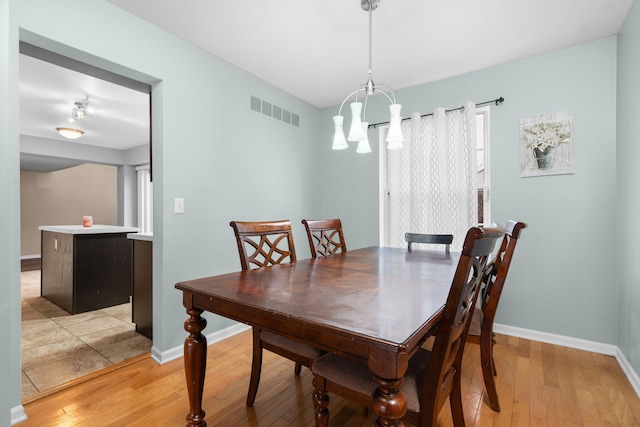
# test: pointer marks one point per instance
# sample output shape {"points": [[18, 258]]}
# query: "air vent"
{"points": [[275, 112]]}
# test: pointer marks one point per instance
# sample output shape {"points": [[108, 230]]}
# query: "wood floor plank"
{"points": [[538, 385], [520, 414], [588, 408], [550, 372], [536, 372], [570, 407]]}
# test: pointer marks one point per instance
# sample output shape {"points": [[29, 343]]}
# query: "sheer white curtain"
{"points": [[432, 182]]}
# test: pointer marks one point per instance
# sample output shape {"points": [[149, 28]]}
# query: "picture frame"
{"points": [[546, 144]]}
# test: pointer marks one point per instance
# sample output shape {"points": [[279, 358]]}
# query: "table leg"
{"points": [[389, 403], [195, 364]]}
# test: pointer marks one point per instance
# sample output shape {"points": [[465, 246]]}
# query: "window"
{"points": [[389, 237], [482, 140], [145, 199]]}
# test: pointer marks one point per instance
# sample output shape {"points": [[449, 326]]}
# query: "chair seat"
{"points": [[357, 377], [476, 322], [291, 345]]}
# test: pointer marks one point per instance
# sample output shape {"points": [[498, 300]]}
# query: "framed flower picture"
{"points": [[546, 144]]}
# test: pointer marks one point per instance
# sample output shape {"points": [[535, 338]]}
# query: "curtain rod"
{"points": [[496, 101]]}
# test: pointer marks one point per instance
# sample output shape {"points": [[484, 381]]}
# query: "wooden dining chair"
{"points": [[261, 245], [432, 376], [481, 329], [437, 239], [325, 236]]}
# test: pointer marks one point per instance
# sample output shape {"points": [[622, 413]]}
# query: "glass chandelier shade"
{"points": [[363, 145], [356, 133], [339, 142], [358, 130], [394, 139]]}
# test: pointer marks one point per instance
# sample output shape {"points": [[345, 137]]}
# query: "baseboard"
{"points": [[29, 263], [18, 415], [162, 357], [628, 370], [577, 343]]}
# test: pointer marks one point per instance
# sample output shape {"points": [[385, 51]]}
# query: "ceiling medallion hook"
{"points": [[369, 4]]}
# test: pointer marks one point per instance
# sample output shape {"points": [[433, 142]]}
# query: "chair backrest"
{"points": [[438, 239], [261, 244], [446, 354], [325, 236], [497, 272]]}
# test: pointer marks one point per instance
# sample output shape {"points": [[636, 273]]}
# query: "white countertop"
{"points": [[141, 236], [94, 229]]}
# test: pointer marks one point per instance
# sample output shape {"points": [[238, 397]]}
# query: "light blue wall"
{"points": [[9, 220], [561, 279], [628, 226], [226, 161]]}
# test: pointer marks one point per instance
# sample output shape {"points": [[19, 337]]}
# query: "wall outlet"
{"points": [[178, 206]]}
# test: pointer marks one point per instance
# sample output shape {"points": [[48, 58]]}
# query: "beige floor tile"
{"points": [[122, 312], [119, 346], [44, 334], [47, 307], [30, 284], [68, 320], [44, 354], [93, 325], [111, 334], [29, 312], [28, 388], [60, 372]]}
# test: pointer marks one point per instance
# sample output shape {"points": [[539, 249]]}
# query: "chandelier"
{"points": [[359, 125], [80, 110]]}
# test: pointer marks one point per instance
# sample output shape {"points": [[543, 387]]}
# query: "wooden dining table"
{"points": [[377, 305]]}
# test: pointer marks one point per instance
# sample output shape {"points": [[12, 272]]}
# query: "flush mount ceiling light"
{"points": [[359, 127], [70, 133]]}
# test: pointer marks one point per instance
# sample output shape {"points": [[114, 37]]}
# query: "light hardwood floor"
{"points": [[538, 384]]}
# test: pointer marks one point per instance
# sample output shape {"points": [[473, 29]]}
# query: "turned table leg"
{"points": [[195, 364], [389, 403]]}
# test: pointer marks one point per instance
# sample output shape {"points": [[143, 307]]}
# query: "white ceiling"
{"points": [[118, 117], [317, 51]]}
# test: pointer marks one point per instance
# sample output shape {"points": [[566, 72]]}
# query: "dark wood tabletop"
{"points": [[374, 304]]}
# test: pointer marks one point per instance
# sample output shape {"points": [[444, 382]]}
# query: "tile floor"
{"points": [[58, 347]]}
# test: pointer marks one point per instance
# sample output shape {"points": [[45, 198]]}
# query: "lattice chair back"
{"points": [[325, 236], [264, 243]]}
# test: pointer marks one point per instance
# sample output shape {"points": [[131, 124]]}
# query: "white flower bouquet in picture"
{"points": [[546, 144]]}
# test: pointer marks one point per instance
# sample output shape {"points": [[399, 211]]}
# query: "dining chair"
{"points": [[481, 329], [325, 236], [261, 245], [437, 239], [433, 376]]}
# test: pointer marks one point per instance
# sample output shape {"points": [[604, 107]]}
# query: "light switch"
{"points": [[179, 206]]}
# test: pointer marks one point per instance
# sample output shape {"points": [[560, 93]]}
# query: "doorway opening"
{"points": [[58, 347]]}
